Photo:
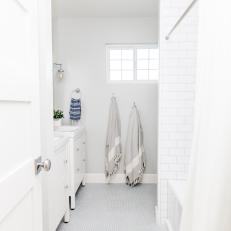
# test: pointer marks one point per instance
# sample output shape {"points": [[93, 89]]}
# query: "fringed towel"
{"points": [[134, 150], [113, 140], [75, 109]]}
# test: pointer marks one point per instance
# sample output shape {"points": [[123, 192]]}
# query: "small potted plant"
{"points": [[58, 116]]}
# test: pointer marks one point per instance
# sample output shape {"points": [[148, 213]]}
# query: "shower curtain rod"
{"points": [[167, 37]]}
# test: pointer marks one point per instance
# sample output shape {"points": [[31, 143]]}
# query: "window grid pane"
{"points": [[115, 65], [153, 74], [147, 64], [142, 75], [142, 64], [115, 75], [127, 64], [127, 54], [121, 64], [127, 75], [133, 63], [115, 54], [153, 64]]}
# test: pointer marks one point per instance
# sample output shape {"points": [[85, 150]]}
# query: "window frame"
{"points": [[134, 47]]}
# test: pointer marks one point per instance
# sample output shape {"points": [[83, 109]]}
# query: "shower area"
{"points": [[178, 63]]}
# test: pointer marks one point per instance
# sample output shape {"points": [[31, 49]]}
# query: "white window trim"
{"points": [[127, 46]]}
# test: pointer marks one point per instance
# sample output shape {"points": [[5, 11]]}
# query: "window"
{"points": [[129, 63]]}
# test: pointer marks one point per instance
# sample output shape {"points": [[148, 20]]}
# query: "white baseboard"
{"points": [[118, 178]]}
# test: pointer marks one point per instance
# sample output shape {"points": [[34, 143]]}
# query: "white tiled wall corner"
{"points": [[176, 95]]}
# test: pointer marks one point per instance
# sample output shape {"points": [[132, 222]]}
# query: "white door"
{"points": [[20, 187]]}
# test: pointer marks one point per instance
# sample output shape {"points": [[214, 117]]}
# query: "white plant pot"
{"points": [[57, 122]]}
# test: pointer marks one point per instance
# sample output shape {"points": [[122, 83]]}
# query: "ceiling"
{"points": [[105, 8]]}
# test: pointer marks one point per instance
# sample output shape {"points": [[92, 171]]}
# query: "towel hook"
{"points": [[77, 90]]}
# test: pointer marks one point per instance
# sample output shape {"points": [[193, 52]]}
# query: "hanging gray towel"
{"points": [[75, 109], [134, 150], [113, 140]]}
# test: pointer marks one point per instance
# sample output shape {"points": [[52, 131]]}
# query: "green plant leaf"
{"points": [[58, 114]]}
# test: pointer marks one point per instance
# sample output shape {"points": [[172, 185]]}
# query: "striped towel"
{"points": [[75, 109], [113, 140]]}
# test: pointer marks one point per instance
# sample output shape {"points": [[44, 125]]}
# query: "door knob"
{"points": [[39, 165], [46, 165]]}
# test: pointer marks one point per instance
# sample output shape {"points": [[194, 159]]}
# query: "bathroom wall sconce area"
{"points": [[60, 72]]}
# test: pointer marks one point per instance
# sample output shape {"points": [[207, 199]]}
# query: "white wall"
{"points": [[80, 45], [176, 98]]}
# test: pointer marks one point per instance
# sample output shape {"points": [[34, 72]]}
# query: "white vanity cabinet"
{"points": [[79, 159], [76, 158], [57, 185]]}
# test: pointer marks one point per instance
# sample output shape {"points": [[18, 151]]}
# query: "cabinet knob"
{"points": [[84, 160], [66, 186], [77, 170], [77, 149], [65, 161], [84, 142]]}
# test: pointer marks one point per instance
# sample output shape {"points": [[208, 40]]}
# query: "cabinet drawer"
{"points": [[79, 159], [57, 184], [83, 154], [77, 154], [78, 178]]}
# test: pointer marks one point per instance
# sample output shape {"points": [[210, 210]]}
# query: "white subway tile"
{"points": [[176, 95]]}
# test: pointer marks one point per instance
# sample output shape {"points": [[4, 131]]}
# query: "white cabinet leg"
{"points": [[66, 218], [83, 182], [73, 202]]}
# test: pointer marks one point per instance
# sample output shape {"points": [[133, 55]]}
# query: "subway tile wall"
{"points": [[176, 95]]}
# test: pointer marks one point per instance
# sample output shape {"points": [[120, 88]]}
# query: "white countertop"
{"points": [[69, 130]]}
